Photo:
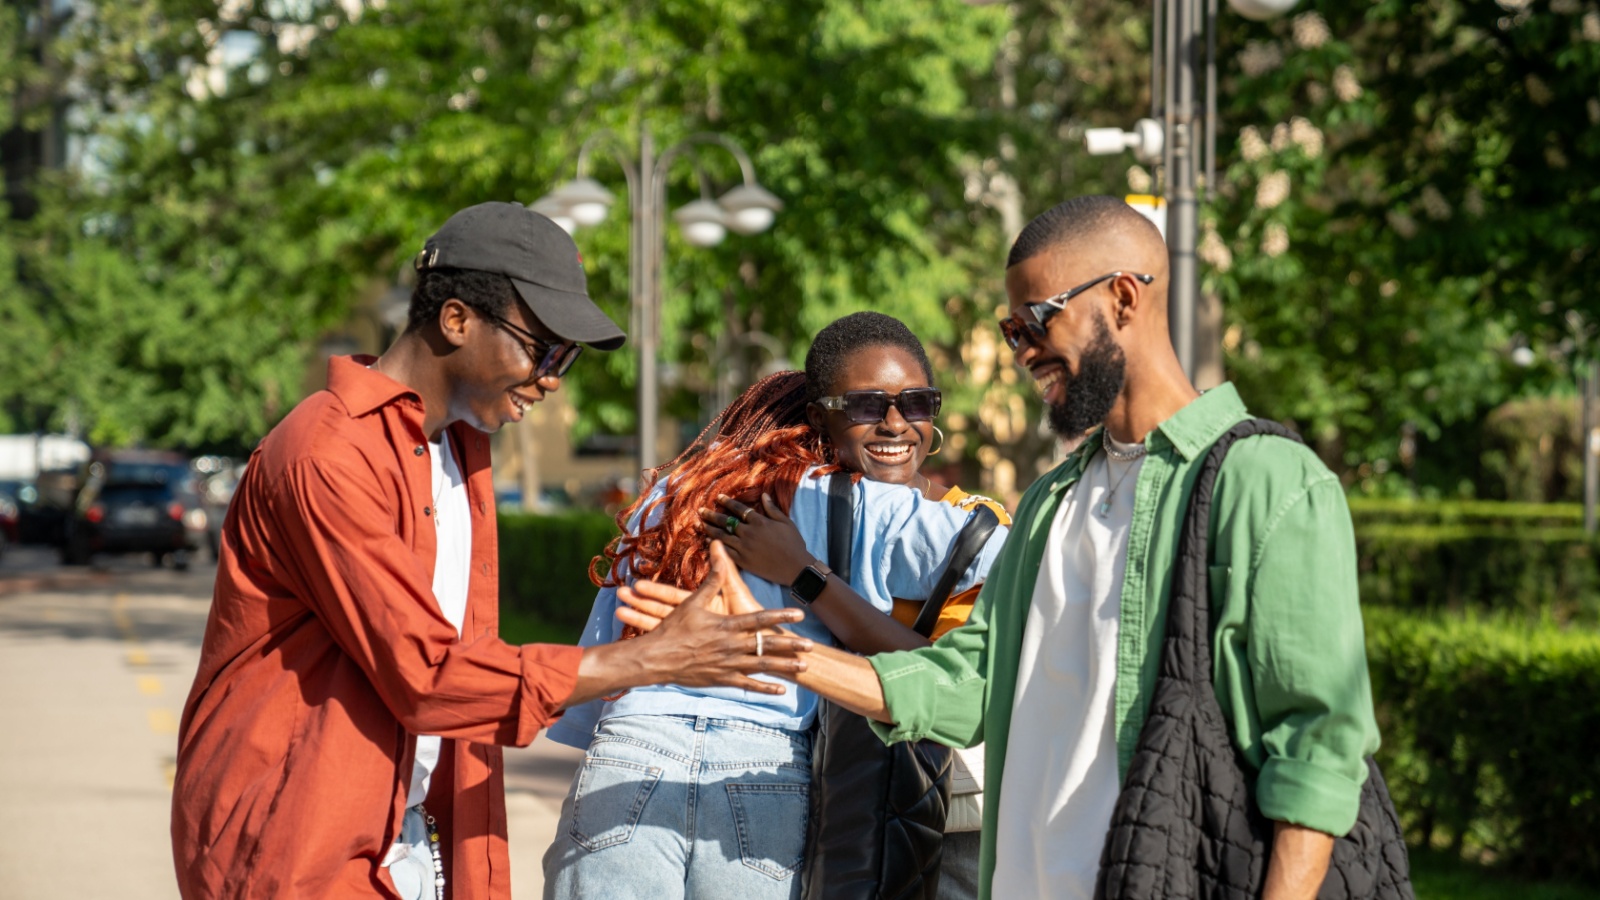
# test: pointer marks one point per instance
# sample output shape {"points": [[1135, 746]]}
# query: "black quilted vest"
{"points": [[1186, 826]]}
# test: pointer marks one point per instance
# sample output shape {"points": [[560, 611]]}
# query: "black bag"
{"points": [[877, 811], [1186, 824]]}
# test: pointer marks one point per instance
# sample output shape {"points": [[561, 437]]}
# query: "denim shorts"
{"points": [[684, 806]]}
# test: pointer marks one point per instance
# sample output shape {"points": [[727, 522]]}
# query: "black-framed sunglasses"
{"points": [[548, 358], [1031, 323], [866, 407]]}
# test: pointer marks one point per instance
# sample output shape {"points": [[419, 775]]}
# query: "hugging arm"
{"points": [[766, 543]]}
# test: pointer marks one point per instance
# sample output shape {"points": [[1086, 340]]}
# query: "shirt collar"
{"points": [[1197, 426], [362, 389]]}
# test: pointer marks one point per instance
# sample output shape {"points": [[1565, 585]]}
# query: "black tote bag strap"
{"points": [[841, 523], [1186, 650], [969, 543]]}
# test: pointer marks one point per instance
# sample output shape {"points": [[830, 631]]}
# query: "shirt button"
{"points": [[420, 450], [427, 511], [485, 568], [482, 507]]}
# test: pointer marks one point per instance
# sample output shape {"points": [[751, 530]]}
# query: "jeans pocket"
{"points": [[609, 801], [771, 821]]}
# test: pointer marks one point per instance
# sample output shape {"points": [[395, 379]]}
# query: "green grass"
{"points": [[523, 628], [1441, 876]]}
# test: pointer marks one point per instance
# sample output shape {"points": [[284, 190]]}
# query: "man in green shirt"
{"points": [[1055, 669]]}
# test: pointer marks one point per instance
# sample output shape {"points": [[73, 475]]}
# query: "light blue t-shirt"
{"points": [[901, 543]]}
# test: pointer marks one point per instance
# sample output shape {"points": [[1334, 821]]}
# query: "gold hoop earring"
{"points": [[935, 450]]}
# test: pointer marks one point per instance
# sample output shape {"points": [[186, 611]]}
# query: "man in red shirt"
{"points": [[351, 664]]}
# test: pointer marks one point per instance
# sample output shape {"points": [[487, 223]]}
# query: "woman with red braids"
{"points": [[704, 793], [855, 365]]}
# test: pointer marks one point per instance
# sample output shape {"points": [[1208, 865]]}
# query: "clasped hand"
{"points": [[717, 634], [651, 604]]}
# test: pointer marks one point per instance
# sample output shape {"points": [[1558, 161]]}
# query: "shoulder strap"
{"points": [[969, 543], [1186, 652], [841, 523]]}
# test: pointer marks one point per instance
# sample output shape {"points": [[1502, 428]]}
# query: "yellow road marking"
{"points": [[149, 685], [137, 657], [119, 615], [162, 721]]}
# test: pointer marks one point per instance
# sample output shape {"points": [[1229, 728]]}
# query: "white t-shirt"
{"points": [[452, 517], [1061, 782]]}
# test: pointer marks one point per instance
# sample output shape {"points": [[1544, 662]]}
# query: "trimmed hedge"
{"points": [[1488, 729], [544, 564], [1528, 558], [1367, 511]]}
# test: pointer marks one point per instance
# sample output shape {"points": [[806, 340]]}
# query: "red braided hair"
{"points": [[761, 443]]}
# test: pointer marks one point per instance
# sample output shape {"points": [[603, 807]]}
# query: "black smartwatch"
{"points": [[809, 584]]}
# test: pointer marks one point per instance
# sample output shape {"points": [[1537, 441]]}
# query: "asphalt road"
{"points": [[94, 667]]}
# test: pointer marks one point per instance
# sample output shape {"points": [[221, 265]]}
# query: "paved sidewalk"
{"points": [[537, 778], [95, 666]]}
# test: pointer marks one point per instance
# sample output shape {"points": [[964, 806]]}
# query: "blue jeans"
{"points": [[411, 870], [684, 806]]}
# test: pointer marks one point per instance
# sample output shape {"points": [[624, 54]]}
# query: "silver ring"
{"points": [[759, 636]]}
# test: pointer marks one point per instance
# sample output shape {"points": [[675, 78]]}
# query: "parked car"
{"points": [[136, 502], [8, 518], [218, 478], [43, 506]]}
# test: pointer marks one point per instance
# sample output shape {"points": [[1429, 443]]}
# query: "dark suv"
{"points": [[136, 502]]}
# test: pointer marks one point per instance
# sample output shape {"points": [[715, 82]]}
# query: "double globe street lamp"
{"points": [[746, 209]]}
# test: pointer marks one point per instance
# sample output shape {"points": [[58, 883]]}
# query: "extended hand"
{"points": [[648, 603], [760, 539], [696, 647]]}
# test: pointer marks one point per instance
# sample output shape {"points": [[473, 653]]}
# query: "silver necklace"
{"points": [[1115, 455], [1138, 451]]}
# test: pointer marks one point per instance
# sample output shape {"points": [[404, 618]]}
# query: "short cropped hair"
{"points": [[844, 336], [486, 292], [1075, 220]]}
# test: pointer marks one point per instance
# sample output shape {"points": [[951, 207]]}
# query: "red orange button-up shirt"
{"points": [[326, 651]]}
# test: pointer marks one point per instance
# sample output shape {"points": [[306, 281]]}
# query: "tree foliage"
{"points": [[1402, 201], [1401, 195]]}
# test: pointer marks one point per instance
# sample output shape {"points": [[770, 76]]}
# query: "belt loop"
{"points": [[701, 723]]}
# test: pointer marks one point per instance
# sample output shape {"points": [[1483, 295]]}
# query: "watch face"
{"points": [[808, 587]]}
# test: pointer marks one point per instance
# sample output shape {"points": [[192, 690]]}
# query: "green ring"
{"points": [[731, 525]]}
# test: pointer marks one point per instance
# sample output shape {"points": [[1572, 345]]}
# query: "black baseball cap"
{"points": [[537, 255]]}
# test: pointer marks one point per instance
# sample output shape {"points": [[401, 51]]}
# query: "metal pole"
{"points": [[1185, 29], [1591, 444], [647, 297]]}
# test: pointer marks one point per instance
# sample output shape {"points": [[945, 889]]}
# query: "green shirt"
{"points": [[1290, 666]]}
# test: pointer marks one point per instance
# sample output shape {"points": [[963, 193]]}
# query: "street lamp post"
{"points": [[1180, 138], [746, 209]]}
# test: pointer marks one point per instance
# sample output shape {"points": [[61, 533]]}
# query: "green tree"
{"points": [[259, 166], [1395, 209]]}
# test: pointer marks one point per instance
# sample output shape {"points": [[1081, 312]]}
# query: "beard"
{"points": [[1088, 396]]}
